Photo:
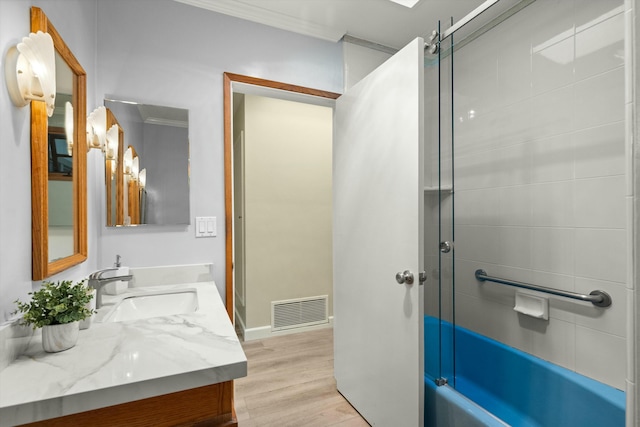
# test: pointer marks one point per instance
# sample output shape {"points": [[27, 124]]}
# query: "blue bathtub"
{"points": [[497, 385]]}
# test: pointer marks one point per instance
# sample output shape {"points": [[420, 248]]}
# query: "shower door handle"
{"points": [[445, 247]]}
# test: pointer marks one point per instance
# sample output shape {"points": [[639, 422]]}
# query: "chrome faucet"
{"points": [[97, 282]]}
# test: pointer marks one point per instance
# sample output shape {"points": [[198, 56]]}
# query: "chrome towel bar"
{"points": [[597, 297]]}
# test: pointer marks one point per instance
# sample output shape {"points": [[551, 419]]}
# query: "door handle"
{"points": [[445, 247], [405, 277]]}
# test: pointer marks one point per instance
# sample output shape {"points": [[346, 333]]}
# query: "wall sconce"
{"points": [[111, 147], [97, 128], [135, 167], [142, 178], [127, 161], [68, 126], [30, 71]]}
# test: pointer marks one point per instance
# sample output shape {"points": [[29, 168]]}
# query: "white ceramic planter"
{"points": [[60, 337]]}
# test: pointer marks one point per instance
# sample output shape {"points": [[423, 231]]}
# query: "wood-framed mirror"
{"points": [[59, 176]]}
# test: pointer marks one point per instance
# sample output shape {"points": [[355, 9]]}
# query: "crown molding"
{"points": [[263, 16]]}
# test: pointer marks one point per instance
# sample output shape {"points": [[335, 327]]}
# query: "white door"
{"points": [[378, 232]]}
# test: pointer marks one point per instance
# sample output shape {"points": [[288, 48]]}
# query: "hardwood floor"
{"points": [[290, 384]]}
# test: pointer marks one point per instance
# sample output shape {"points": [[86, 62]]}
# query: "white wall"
{"points": [[288, 204], [75, 20], [540, 181], [167, 53]]}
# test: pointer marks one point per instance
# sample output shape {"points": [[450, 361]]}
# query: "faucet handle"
{"points": [[98, 274], [118, 263]]}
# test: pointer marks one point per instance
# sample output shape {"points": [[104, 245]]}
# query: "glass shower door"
{"points": [[439, 208]]}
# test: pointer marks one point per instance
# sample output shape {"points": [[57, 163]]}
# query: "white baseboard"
{"points": [[262, 332]]}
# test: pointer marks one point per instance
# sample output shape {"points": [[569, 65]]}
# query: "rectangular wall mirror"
{"points": [[149, 181], [58, 164]]}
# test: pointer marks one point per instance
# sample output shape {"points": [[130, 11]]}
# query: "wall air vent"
{"points": [[296, 313]]}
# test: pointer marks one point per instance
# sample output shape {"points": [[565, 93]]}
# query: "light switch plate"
{"points": [[206, 226]]}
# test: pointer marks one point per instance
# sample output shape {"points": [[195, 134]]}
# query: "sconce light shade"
{"points": [[111, 147], [127, 161], [142, 178], [30, 71], [97, 128], [135, 167], [68, 126]]}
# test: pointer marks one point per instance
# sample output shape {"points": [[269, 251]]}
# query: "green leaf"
{"points": [[56, 303]]}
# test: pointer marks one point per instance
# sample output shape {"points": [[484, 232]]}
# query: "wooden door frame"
{"points": [[230, 78]]}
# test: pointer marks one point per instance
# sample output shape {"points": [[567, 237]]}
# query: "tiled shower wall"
{"points": [[539, 167]]}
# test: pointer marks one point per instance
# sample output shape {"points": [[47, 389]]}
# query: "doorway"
{"points": [[252, 92]]}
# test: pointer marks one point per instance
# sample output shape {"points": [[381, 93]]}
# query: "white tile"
{"points": [[555, 343], [477, 207], [552, 158], [514, 123], [553, 250], [631, 334], [514, 69], [600, 48], [493, 320], [613, 319], [630, 119], [475, 76], [600, 151], [431, 300], [465, 277], [469, 314], [601, 356], [476, 171], [600, 202], [500, 293], [552, 204], [552, 66], [592, 12], [631, 253], [475, 131], [515, 205], [552, 113], [559, 308], [506, 327], [431, 240], [514, 249], [600, 100], [553, 20], [514, 165], [477, 243], [600, 254]]}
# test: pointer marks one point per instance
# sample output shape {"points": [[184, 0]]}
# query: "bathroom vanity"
{"points": [[166, 370]]}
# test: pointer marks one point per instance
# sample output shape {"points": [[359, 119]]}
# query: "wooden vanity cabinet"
{"points": [[209, 406]]}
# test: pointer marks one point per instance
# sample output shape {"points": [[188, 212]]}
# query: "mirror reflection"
{"points": [[147, 181], [60, 165], [58, 176]]}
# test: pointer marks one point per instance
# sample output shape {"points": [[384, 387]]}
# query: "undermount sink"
{"points": [[153, 304]]}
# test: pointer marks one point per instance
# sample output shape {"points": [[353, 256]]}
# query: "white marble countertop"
{"points": [[114, 363]]}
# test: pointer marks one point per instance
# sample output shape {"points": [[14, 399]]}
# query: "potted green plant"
{"points": [[57, 308]]}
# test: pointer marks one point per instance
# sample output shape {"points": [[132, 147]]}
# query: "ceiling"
{"points": [[378, 21]]}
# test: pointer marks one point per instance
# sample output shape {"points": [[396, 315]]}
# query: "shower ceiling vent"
{"points": [[296, 313]]}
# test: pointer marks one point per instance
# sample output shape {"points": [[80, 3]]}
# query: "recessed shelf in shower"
{"points": [[445, 189]]}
